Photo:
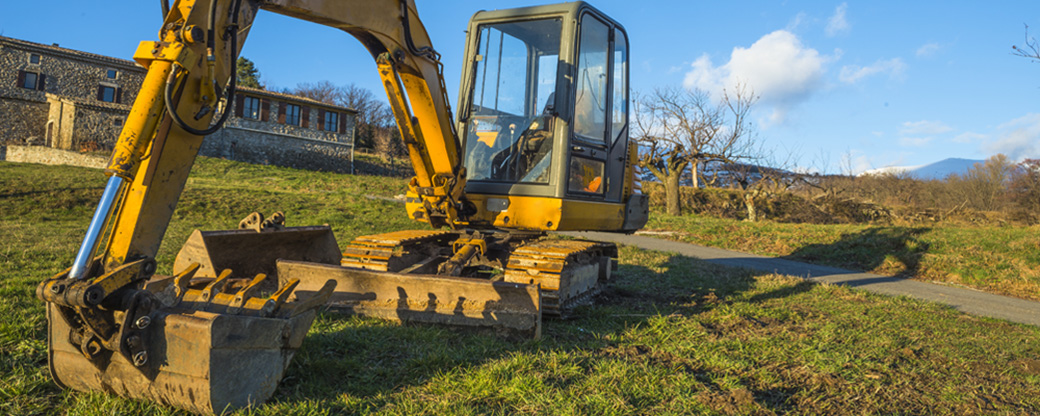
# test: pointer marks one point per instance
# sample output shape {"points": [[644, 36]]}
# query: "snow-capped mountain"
{"points": [[937, 170]]}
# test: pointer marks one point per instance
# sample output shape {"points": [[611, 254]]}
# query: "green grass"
{"points": [[1003, 260], [672, 335]]}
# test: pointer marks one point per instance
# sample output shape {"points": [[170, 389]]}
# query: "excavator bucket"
{"points": [[510, 309], [205, 350], [249, 252], [210, 362]]}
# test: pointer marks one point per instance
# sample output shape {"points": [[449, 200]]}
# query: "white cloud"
{"points": [[851, 74], [777, 67], [1018, 139], [920, 133], [854, 162], [927, 50], [924, 127], [796, 21], [914, 141], [837, 24], [968, 137]]}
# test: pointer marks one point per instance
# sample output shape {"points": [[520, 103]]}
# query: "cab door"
{"points": [[599, 133]]}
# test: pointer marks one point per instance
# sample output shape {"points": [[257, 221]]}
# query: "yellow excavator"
{"points": [[540, 144]]}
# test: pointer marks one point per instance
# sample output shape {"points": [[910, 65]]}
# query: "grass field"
{"points": [[1004, 260], [673, 335]]}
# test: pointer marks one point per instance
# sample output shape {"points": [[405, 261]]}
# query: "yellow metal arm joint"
{"points": [[174, 52]]}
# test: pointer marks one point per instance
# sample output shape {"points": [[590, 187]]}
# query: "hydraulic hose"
{"points": [[210, 45]]}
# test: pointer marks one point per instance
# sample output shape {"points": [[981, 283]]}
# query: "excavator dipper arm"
{"points": [[112, 326], [412, 75]]}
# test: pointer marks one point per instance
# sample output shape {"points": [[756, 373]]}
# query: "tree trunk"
{"points": [[749, 202], [671, 193], [693, 174]]}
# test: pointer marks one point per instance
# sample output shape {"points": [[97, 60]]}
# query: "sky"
{"points": [[843, 85]]}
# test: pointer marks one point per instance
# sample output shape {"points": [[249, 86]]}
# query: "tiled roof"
{"points": [[68, 52], [284, 96]]}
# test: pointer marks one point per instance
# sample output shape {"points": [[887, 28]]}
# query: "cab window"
{"points": [[509, 122], [590, 105]]}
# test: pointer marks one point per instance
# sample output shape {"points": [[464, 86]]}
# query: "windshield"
{"points": [[508, 129]]}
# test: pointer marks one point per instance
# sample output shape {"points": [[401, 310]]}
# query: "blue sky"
{"points": [[862, 85]]}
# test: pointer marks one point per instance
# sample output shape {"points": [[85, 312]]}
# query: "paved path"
{"points": [[965, 300]]}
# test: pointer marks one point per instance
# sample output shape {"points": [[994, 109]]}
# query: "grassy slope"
{"points": [[672, 335], [1003, 260]]}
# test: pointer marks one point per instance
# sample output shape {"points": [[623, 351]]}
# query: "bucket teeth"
{"points": [[183, 279], [245, 293], [213, 288], [214, 298]]}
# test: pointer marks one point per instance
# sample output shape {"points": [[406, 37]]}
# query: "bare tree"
{"points": [[772, 176], [680, 129], [1030, 49], [375, 123], [1025, 189], [324, 91], [982, 186]]}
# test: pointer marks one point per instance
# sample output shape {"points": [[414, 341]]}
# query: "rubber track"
{"points": [[550, 263]]}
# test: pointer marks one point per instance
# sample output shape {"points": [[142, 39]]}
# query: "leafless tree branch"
{"points": [[1030, 49]]}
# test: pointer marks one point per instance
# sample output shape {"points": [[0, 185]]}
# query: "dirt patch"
{"points": [[747, 327], [1028, 366], [639, 300], [643, 352], [733, 402]]}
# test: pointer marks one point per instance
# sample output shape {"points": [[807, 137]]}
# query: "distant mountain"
{"points": [[937, 170]]}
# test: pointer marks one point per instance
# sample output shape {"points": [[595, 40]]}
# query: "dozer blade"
{"points": [[510, 309], [248, 252]]}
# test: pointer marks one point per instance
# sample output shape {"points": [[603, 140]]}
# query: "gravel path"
{"points": [[965, 300]]}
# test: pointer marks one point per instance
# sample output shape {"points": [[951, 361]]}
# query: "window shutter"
{"points": [[306, 117], [342, 123], [281, 112], [265, 110], [321, 119], [21, 78], [100, 93], [239, 103], [119, 95], [42, 82]]}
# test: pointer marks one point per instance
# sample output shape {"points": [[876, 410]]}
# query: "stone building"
{"points": [[285, 130], [61, 97], [73, 100]]}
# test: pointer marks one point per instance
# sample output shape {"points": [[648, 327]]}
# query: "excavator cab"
{"points": [[543, 115]]}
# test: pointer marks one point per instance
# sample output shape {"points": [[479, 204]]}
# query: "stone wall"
{"points": [[236, 142], [51, 156], [22, 121], [309, 132], [97, 127]]}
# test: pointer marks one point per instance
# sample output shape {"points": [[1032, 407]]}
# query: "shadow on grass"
{"points": [[346, 361], [893, 249]]}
